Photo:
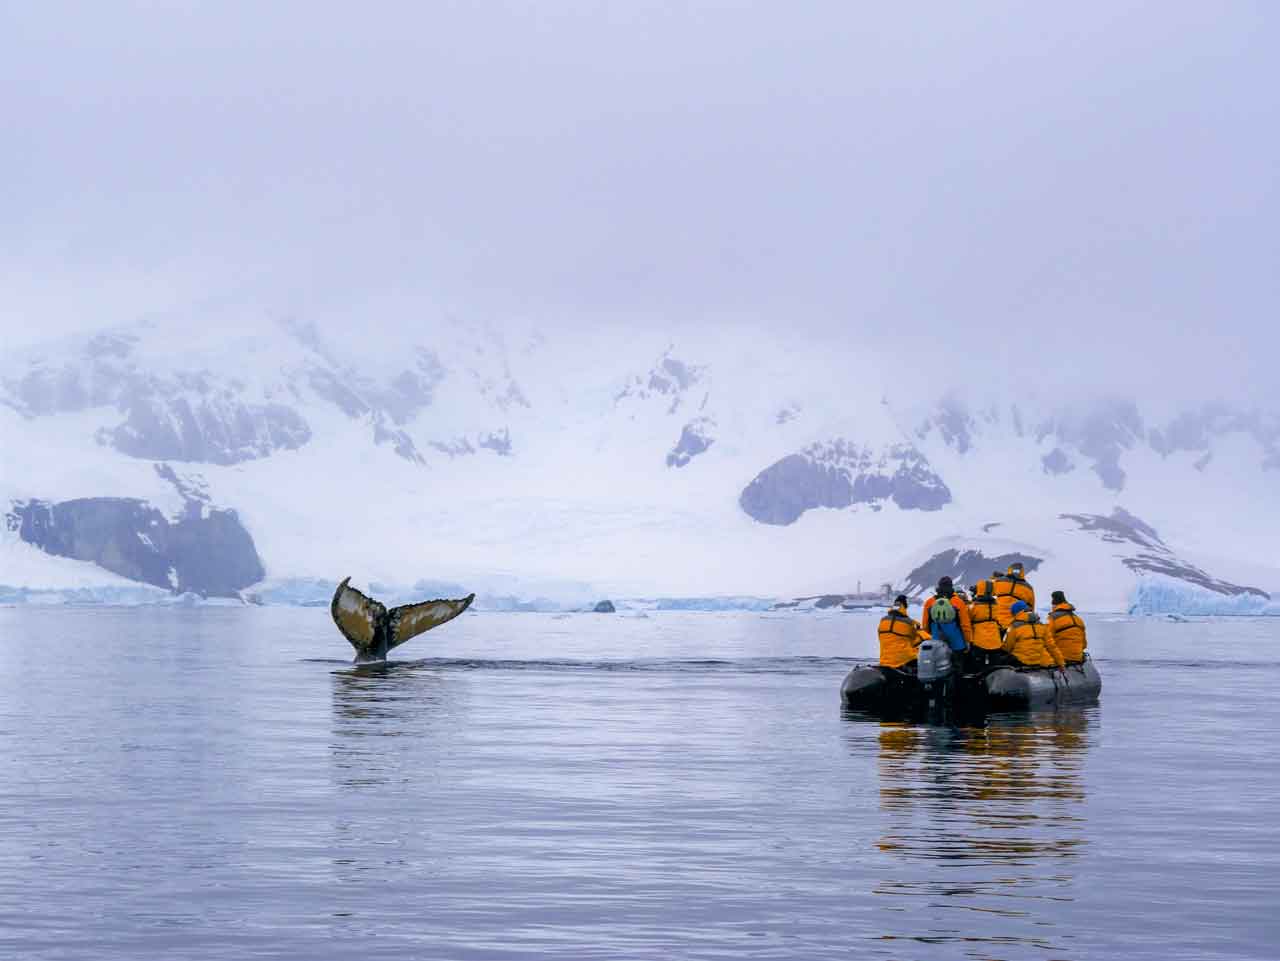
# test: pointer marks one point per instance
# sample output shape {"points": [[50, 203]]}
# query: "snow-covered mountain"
{"points": [[270, 459]]}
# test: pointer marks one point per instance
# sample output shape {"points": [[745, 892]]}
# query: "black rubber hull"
{"points": [[1011, 690], [879, 690]]}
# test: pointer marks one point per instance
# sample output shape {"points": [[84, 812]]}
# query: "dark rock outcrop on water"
{"points": [[605, 607], [840, 474], [205, 551]]}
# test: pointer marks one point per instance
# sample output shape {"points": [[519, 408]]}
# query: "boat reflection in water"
{"points": [[981, 827]]}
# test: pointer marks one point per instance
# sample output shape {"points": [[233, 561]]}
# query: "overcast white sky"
{"points": [[1075, 179]]}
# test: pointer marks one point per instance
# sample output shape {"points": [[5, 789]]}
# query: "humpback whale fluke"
{"points": [[373, 630]]}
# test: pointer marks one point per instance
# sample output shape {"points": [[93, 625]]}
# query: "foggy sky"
{"points": [[1085, 184]]}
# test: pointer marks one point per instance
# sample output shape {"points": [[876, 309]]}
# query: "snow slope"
{"points": [[574, 466]]}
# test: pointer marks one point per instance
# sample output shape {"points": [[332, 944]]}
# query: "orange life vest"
{"points": [[986, 627], [899, 638], [1068, 632], [1030, 641], [1008, 590]]}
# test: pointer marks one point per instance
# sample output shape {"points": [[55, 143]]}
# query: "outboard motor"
{"points": [[934, 666]]}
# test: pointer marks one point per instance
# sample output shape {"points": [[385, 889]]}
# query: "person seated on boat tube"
{"points": [[988, 638], [1029, 640], [900, 635], [946, 616], [1067, 628], [1009, 588]]}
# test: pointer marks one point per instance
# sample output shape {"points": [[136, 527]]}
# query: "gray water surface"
{"points": [[221, 783]]}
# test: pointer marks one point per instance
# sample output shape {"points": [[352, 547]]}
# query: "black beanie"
{"points": [[944, 585], [1058, 598], [900, 599]]}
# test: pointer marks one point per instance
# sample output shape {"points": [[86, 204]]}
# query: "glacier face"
{"points": [[639, 465], [1162, 595]]}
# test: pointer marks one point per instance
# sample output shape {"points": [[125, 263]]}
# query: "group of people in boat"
{"points": [[994, 625]]}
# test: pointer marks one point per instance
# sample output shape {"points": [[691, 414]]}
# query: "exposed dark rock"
{"points": [[498, 441], [1057, 462], [964, 567], [839, 474], [217, 429], [509, 396], [191, 488], [183, 416], [308, 334], [1188, 431], [1194, 431], [389, 405], [955, 424], [694, 439], [332, 388], [52, 390], [397, 396], [1120, 528], [1102, 435], [605, 607], [1155, 556], [670, 378], [454, 448], [206, 551], [781, 493], [411, 391], [400, 442], [671, 375]]}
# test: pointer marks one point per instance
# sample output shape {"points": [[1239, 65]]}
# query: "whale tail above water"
{"points": [[373, 630]]}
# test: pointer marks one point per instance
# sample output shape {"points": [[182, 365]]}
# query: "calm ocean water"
{"points": [[221, 783]]}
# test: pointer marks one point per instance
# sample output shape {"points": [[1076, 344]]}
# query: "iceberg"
{"points": [[1161, 595]]}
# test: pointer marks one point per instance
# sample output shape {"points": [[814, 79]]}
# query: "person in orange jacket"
{"points": [[1067, 628], [947, 591], [1030, 641], [900, 635], [988, 638], [1009, 588]]}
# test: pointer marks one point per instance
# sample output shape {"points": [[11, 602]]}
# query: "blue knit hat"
{"points": [[1019, 607]]}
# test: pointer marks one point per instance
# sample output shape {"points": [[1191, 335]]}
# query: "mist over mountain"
{"points": [[581, 300], [242, 459]]}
